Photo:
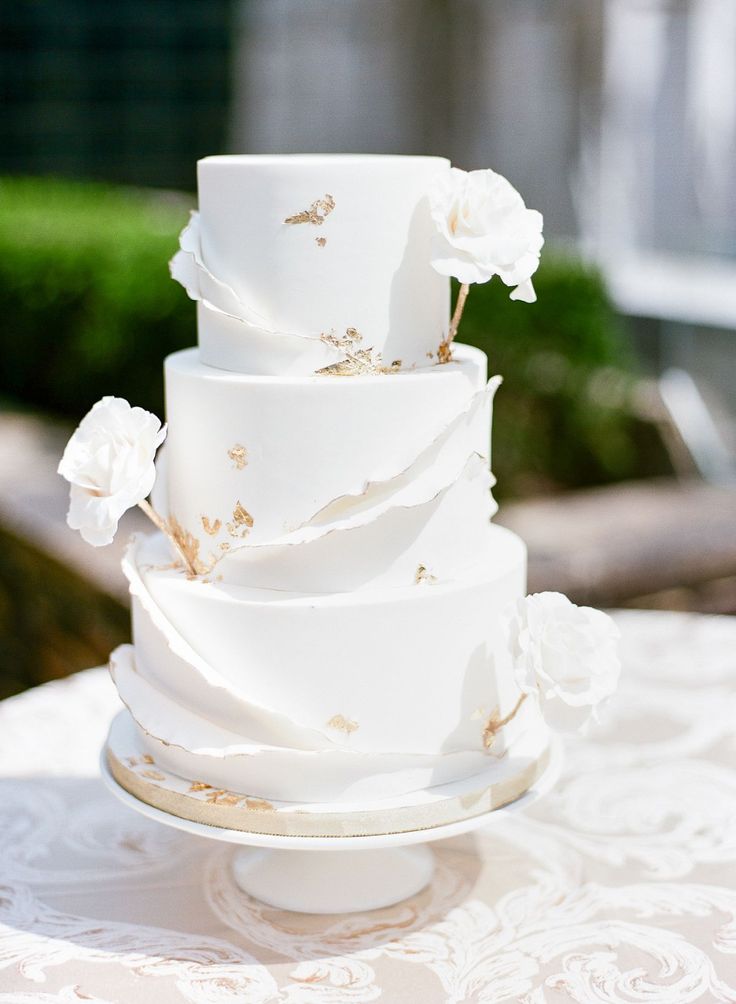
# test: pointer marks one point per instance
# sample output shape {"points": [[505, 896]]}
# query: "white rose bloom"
{"points": [[109, 464], [566, 655], [484, 229]]}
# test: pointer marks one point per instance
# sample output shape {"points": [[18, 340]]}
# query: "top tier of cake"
{"points": [[301, 261]]}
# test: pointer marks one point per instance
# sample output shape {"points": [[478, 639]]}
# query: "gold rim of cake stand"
{"points": [[251, 815]]}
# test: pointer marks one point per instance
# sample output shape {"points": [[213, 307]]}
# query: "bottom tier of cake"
{"points": [[530, 768], [323, 698]]}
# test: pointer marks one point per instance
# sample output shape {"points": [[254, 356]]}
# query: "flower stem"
{"points": [[163, 526], [494, 725], [512, 713], [459, 307]]}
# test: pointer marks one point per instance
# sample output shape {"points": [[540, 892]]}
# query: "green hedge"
{"points": [[89, 308], [88, 304], [563, 415]]}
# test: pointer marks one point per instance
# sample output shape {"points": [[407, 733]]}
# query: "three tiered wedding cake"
{"points": [[327, 613]]}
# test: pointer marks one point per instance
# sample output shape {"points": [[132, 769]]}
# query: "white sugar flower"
{"points": [[109, 462], [484, 229], [566, 655]]}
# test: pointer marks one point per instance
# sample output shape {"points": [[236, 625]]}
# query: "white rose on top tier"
{"points": [[109, 464], [484, 229], [566, 655]]}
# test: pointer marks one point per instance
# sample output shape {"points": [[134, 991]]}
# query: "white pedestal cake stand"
{"points": [[324, 875]]}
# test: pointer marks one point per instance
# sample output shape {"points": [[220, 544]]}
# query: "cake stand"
{"points": [[338, 874]]}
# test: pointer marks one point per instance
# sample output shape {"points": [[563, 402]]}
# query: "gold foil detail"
{"points": [[225, 545], [155, 775], [147, 758], [351, 338], [242, 521], [239, 456], [222, 797], [320, 241], [343, 724], [258, 805], [422, 574], [316, 214], [444, 352], [358, 363], [188, 545], [211, 528]]}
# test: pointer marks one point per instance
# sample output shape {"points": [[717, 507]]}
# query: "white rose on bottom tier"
{"points": [[109, 462], [566, 655]]}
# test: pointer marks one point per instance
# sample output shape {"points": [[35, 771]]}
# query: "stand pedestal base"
{"points": [[333, 881]]}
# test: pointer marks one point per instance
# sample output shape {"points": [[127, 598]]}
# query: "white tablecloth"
{"points": [[620, 886]]}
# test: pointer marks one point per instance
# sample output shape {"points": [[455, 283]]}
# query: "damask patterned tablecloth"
{"points": [[620, 886]]}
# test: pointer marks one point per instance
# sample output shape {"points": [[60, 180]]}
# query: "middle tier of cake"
{"points": [[326, 483]]}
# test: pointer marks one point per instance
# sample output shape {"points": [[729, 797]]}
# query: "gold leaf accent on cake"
{"points": [[350, 339], [210, 528], [430, 355], [132, 762], [358, 363], [199, 786], [222, 797], [343, 724], [422, 574], [444, 352], [316, 214], [320, 241], [225, 545], [258, 805], [242, 521], [154, 775], [188, 545], [239, 456], [147, 758]]}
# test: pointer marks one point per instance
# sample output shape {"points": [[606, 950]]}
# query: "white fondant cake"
{"points": [[286, 250], [339, 633]]}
